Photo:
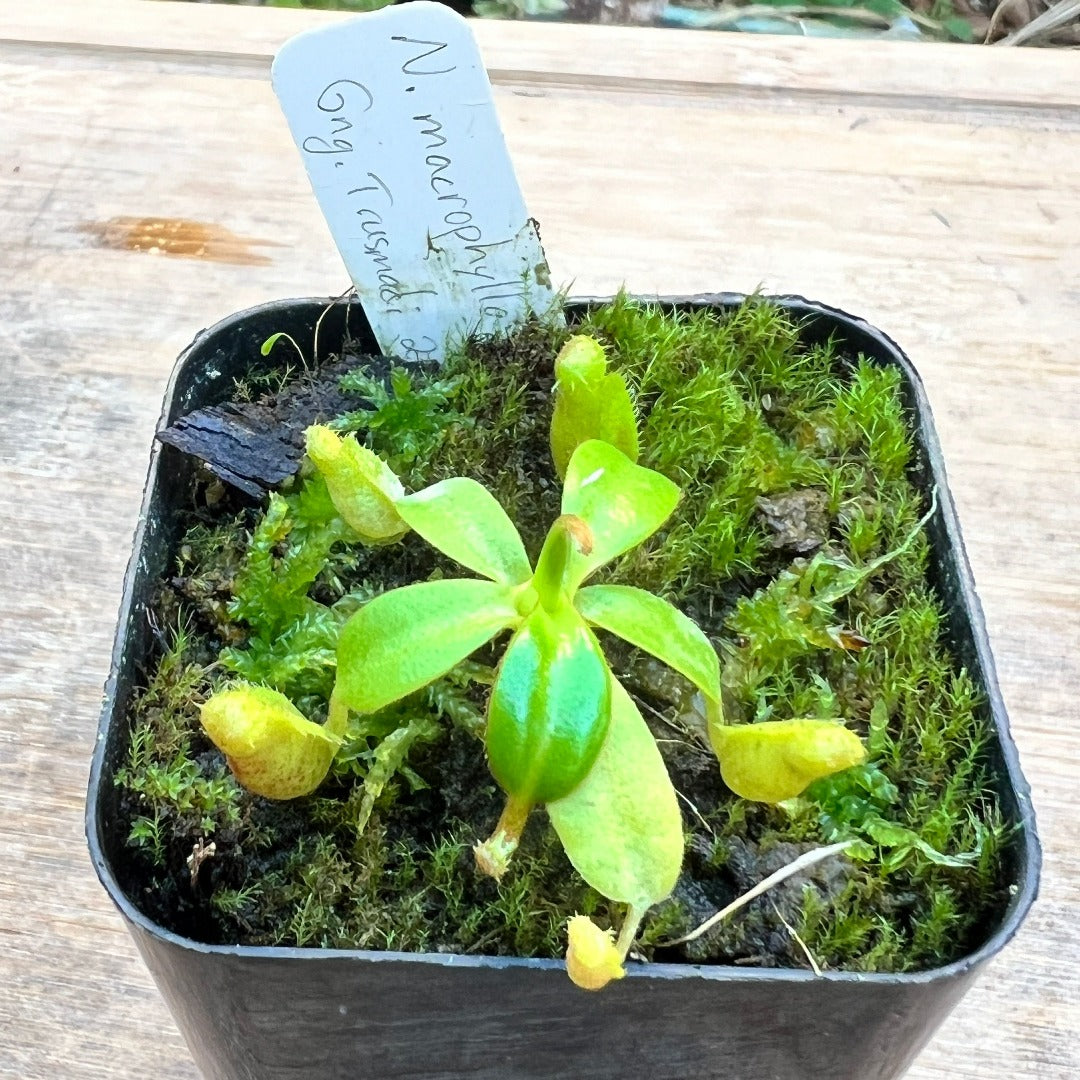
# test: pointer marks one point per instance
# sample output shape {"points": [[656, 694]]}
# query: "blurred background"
{"points": [[1048, 23]]}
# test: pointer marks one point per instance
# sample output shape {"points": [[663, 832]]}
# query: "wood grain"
{"points": [[933, 189]]}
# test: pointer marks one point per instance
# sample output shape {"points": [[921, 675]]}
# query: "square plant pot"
{"points": [[252, 1013]]}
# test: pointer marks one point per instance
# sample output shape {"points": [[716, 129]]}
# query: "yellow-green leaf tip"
{"points": [[582, 357], [590, 403], [778, 759], [363, 487], [592, 960], [271, 747]]}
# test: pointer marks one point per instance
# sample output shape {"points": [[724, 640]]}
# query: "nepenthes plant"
{"points": [[561, 730]]}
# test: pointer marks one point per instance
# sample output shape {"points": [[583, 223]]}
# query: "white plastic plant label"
{"points": [[393, 115]]}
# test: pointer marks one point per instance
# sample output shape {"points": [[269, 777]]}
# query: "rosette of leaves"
{"points": [[561, 730]]}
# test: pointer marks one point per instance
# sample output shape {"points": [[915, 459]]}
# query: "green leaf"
{"points": [[408, 637], [959, 28], [549, 707], [464, 520], [777, 759], [654, 625], [622, 504], [861, 851], [273, 339], [590, 403], [851, 577], [567, 536], [269, 343], [887, 834], [846, 800], [271, 747], [361, 484], [621, 826]]}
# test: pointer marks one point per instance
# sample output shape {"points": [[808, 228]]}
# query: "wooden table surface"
{"points": [[933, 189]]}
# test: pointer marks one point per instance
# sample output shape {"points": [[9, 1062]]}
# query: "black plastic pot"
{"points": [[276, 1013]]}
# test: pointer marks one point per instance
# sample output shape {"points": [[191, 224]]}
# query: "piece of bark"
{"points": [[256, 445]]}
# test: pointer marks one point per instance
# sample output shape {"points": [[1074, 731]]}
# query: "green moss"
{"points": [[406, 421], [172, 801], [733, 409]]}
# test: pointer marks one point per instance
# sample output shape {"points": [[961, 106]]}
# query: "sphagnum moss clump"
{"points": [[796, 547]]}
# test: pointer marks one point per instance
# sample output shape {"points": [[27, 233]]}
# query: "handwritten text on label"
{"points": [[394, 119]]}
